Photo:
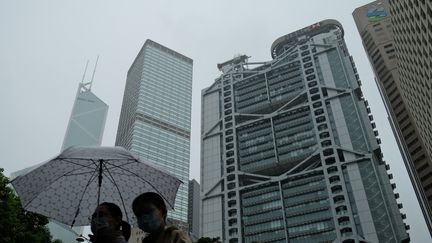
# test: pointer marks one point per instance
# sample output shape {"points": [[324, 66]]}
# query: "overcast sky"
{"points": [[45, 45]]}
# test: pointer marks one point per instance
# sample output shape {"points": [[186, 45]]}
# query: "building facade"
{"points": [[156, 113], [86, 126], [412, 30], [194, 210], [289, 149], [87, 121], [375, 25]]}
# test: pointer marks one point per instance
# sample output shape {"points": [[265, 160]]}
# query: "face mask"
{"points": [[99, 224], [149, 223]]}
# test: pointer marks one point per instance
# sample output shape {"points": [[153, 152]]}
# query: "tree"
{"points": [[16, 224]]}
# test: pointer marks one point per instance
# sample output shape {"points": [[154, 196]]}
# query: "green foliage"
{"points": [[208, 240], [16, 224]]}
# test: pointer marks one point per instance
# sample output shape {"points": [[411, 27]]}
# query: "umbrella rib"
{"points": [[127, 163], [120, 194], [119, 173], [92, 177], [120, 159], [75, 163], [82, 165], [58, 178], [94, 163], [135, 174], [114, 166], [81, 173]]}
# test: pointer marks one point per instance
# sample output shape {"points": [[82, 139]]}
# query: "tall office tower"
{"points": [[412, 30], [374, 24], [194, 209], [86, 126], [87, 121], [289, 150], [155, 117]]}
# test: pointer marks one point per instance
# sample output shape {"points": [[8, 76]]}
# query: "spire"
{"points": [[86, 86]]}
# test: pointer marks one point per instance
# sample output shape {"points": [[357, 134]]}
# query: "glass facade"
{"points": [[194, 210], [87, 121], [155, 117], [289, 152]]}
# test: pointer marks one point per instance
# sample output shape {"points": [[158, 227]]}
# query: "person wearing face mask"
{"points": [[151, 212], [107, 225]]}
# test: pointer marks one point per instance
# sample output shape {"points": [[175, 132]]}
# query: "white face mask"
{"points": [[99, 224]]}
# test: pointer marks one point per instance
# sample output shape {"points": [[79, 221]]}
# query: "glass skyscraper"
{"points": [[194, 210], [290, 152], [155, 117], [87, 121]]}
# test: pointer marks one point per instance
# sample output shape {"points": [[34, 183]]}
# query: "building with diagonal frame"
{"points": [[289, 150]]}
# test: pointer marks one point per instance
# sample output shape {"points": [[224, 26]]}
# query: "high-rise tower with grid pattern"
{"points": [[289, 150], [155, 117], [398, 45]]}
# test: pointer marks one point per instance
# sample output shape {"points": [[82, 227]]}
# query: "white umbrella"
{"points": [[69, 187]]}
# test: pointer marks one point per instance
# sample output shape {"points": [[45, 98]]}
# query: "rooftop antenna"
{"points": [[85, 70], [94, 71], [87, 86]]}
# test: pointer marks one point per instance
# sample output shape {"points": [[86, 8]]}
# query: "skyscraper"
{"points": [[194, 209], [87, 121], [289, 150], [387, 49], [412, 30], [86, 126], [155, 115]]}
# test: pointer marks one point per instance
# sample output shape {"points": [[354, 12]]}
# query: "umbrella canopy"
{"points": [[69, 187]]}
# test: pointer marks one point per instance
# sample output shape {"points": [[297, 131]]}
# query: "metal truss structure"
{"points": [[299, 157]]}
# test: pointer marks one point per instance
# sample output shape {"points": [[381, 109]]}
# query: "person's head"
{"points": [[151, 211], [108, 216]]}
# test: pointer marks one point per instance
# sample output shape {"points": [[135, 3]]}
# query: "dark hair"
{"points": [[116, 212], [113, 209], [151, 197]]}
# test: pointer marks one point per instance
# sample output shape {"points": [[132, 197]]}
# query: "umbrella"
{"points": [[69, 187]]}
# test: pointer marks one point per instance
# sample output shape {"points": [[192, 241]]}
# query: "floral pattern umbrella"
{"points": [[69, 187]]}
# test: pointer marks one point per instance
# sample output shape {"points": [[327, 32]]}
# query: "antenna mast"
{"points": [[94, 71], [85, 70], [87, 86]]}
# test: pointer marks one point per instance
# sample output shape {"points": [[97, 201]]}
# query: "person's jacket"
{"points": [[113, 237], [170, 234]]}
